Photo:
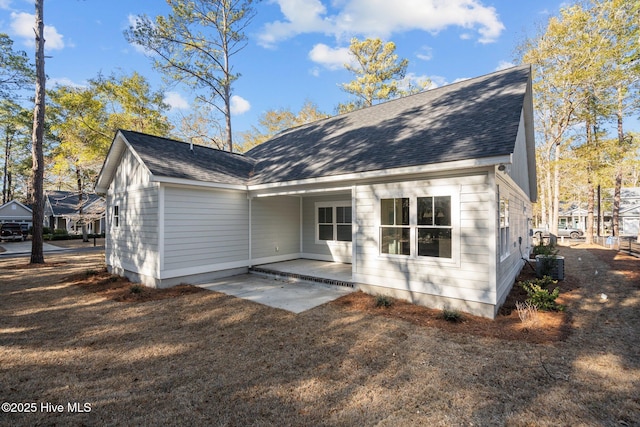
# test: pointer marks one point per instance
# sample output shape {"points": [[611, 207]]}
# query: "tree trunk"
{"points": [[85, 237], [37, 255], [618, 181], [589, 224], [7, 156], [556, 191]]}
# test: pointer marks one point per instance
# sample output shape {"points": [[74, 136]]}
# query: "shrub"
{"points": [[539, 295], [136, 289], [453, 316], [546, 250], [383, 301], [527, 312]]}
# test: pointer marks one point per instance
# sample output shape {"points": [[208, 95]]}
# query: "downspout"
{"points": [[250, 232]]}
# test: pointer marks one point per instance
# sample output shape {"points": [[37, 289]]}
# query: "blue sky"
{"points": [[296, 48]]}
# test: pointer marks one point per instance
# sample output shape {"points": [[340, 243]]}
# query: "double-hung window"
{"points": [[418, 226], [394, 227], [333, 222], [434, 226]]}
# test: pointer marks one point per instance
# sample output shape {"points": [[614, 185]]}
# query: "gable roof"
{"points": [[15, 209], [175, 159], [473, 119], [65, 203]]}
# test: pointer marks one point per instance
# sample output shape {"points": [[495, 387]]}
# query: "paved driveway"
{"points": [[291, 296], [15, 248]]}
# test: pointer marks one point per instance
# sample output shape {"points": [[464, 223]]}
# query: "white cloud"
{"points": [[23, 24], [425, 53], [64, 81], [239, 105], [382, 18], [133, 22], [331, 58], [5, 4], [175, 101], [503, 65]]}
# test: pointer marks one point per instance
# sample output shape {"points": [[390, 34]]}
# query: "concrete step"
{"points": [[283, 275]]}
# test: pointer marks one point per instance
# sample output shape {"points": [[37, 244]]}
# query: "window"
{"points": [[394, 226], [504, 227], [333, 222], [418, 227], [434, 226], [116, 216]]}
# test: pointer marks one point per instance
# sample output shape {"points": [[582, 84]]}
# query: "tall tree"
{"points": [[37, 254], [16, 72], [84, 120], [273, 121], [15, 123], [195, 43], [378, 71]]}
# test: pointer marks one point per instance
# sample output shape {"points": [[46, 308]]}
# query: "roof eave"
{"points": [[388, 173]]}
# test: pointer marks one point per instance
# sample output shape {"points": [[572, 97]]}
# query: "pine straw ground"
{"points": [[71, 333]]}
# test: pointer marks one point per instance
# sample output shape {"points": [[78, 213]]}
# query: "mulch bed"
{"points": [[120, 289]]}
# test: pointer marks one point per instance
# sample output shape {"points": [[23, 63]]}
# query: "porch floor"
{"points": [[331, 273]]}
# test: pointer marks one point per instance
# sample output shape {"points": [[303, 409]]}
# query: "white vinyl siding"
{"points": [[465, 276], [275, 226], [204, 227], [514, 244], [133, 244], [130, 174], [319, 249]]}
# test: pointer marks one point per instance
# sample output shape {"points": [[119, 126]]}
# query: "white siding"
{"points": [[519, 244], [334, 251], [204, 228], [275, 226], [519, 171], [133, 243], [466, 276], [130, 174]]}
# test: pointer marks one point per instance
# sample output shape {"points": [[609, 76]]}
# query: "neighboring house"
{"points": [[428, 197], [576, 217], [62, 212], [14, 211]]}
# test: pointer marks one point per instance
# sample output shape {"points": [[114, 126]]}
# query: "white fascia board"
{"points": [[387, 173], [114, 156], [193, 183], [299, 192]]}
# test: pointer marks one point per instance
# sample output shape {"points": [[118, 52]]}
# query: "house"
{"points": [[62, 212], [14, 211], [427, 197]]}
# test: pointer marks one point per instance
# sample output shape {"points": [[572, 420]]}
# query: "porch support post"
{"points": [[301, 227]]}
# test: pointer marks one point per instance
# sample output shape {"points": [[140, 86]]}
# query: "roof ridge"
{"points": [[171, 139]]}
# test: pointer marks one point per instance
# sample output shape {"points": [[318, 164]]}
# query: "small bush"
{"points": [[383, 301], [136, 289], [539, 294], [91, 272], [543, 249], [453, 316], [527, 312]]}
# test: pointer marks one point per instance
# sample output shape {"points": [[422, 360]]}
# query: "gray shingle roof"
{"points": [[471, 119], [66, 202], [175, 159]]}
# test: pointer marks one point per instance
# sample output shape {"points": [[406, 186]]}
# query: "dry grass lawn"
{"points": [[71, 333]]}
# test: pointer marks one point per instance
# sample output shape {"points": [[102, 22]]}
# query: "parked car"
{"points": [[12, 231], [565, 231]]}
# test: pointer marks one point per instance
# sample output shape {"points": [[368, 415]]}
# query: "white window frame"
{"points": [[333, 205], [116, 216], [413, 191], [504, 228]]}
